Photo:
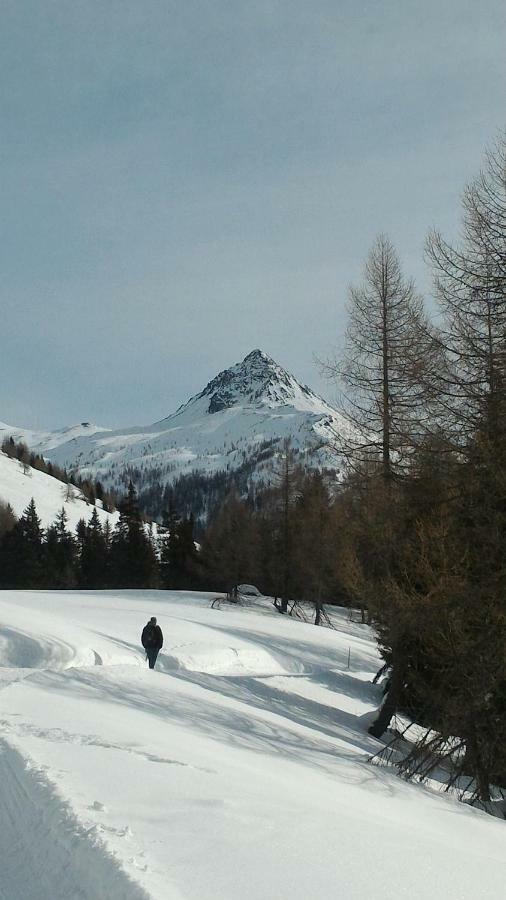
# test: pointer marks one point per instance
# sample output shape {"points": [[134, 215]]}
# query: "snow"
{"points": [[237, 769], [19, 483], [48, 440], [252, 402], [60, 860]]}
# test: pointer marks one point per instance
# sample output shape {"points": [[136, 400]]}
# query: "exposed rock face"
{"points": [[257, 377], [256, 380]]}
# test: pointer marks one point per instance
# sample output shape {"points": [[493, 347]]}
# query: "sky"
{"points": [[183, 181]]}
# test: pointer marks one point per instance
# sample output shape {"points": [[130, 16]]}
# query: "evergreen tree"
{"points": [[22, 552], [184, 554], [81, 534], [61, 554], [133, 559], [7, 518], [169, 550], [93, 564]]}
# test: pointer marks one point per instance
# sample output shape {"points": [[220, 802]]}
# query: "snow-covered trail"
{"points": [[237, 769], [45, 851]]}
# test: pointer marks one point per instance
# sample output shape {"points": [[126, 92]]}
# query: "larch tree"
{"points": [[229, 549], [387, 378], [314, 562], [385, 372], [287, 491], [470, 286], [444, 595]]}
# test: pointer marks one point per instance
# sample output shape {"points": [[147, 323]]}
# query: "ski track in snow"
{"points": [[248, 743], [60, 736]]}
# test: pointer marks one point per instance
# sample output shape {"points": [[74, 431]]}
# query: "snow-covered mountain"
{"points": [[20, 483], [243, 416], [43, 441]]}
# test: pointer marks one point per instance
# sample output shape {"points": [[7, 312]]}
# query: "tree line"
{"points": [[92, 490], [426, 486], [284, 540], [287, 540], [129, 555]]}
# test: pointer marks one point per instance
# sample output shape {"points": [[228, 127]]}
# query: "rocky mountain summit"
{"points": [[257, 379], [238, 423]]}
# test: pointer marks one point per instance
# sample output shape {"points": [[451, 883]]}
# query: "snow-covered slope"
{"points": [[19, 483], [42, 441], [237, 769], [243, 415]]}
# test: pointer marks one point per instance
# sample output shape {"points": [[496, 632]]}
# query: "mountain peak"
{"points": [[258, 356], [256, 380]]}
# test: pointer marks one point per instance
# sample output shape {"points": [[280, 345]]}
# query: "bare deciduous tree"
{"points": [[470, 284], [386, 369]]}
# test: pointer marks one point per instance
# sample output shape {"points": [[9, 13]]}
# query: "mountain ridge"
{"points": [[245, 414]]}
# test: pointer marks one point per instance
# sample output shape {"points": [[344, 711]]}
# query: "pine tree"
{"points": [[185, 554], [61, 554], [133, 559], [22, 553], [169, 552], [93, 566], [7, 518]]}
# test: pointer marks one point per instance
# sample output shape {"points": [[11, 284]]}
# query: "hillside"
{"points": [[237, 769], [240, 419], [19, 483], [44, 441]]}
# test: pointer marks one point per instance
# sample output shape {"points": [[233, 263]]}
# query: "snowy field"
{"points": [[235, 771]]}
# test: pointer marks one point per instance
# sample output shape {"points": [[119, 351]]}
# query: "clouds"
{"points": [[182, 182]]}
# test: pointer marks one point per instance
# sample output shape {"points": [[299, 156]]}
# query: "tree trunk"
{"points": [[390, 705], [385, 385]]}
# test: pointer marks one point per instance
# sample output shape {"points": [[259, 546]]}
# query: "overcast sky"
{"points": [[185, 181]]}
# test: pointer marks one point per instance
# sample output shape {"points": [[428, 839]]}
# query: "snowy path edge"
{"points": [[44, 848]]}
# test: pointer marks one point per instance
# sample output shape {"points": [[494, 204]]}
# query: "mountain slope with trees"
{"points": [[20, 482], [230, 431]]}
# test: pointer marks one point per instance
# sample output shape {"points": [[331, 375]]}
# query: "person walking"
{"points": [[152, 641]]}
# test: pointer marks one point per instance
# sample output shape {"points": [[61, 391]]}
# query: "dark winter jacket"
{"points": [[152, 637]]}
